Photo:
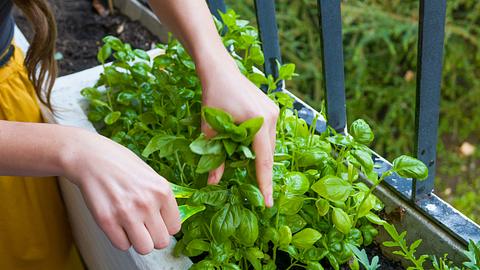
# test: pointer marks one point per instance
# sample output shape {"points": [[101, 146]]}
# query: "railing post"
{"points": [[429, 68], [330, 19], [267, 26], [215, 6]]}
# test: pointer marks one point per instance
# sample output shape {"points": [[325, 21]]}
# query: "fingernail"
{"points": [[269, 200]]}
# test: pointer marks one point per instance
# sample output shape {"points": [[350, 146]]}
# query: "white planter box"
{"points": [[95, 248]]}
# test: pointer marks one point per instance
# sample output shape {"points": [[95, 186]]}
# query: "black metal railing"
{"points": [[429, 70]]}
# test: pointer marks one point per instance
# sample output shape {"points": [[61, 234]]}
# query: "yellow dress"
{"points": [[34, 230]]}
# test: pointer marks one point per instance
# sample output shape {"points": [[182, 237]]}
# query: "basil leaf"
{"points": [[211, 195], [410, 167], [284, 236], [187, 211], [181, 192], [112, 117], [165, 144], [333, 188], [361, 131], [217, 119], [296, 183], [306, 238], [247, 232], [225, 221], [364, 158], [252, 194], [341, 220], [104, 53], [209, 162], [252, 126], [196, 247], [290, 204], [322, 206], [141, 54], [203, 146]]}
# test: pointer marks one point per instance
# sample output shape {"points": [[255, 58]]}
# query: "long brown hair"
{"points": [[40, 61]]}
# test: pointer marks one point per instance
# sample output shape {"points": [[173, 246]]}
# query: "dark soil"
{"points": [[81, 29]]}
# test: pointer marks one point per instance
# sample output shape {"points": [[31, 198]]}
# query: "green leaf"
{"points": [[306, 238], [410, 167], [252, 194], [253, 255], [314, 266], [209, 162], [284, 236], [247, 232], [217, 119], [225, 221], [91, 93], [166, 144], [341, 220], [114, 42], [361, 132], [367, 205], [257, 79], [181, 192], [364, 158], [246, 152], [112, 117], [104, 53], [296, 183], [203, 146], [126, 97], [333, 188], [187, 211], [322, 206], [230, 146], [291, 204], [252, 126], [311, 157], [375, 219], [141, 54], [295, 222], [286, 71], [211, 195], [196, 247]]}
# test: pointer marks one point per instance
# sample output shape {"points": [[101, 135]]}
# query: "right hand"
{"points": [[131, 203]]}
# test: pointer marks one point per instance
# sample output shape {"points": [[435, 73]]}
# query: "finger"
{"points": [[264, 162], [214, 176], [139, 237], [116, 234], [158, 231], [170, 214], [273, 136], [207, 130]]}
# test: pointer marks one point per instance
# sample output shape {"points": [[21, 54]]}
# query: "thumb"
{"points": [[215, 175]]}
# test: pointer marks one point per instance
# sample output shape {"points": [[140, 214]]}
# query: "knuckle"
{"points": [[105, 220], [266, 163]]}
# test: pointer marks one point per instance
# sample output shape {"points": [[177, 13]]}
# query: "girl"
{"points": [[130, 202]]}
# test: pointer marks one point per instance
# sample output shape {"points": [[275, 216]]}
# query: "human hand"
{"points": [[131, 203], [227, 89]]}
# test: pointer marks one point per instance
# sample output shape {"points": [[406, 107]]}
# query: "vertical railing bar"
{"points": [[215, 6], [429, 68], [330, 20], [267, 26]]}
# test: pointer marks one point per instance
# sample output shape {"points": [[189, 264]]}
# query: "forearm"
{"points": [[32, 149], [192, 23]]}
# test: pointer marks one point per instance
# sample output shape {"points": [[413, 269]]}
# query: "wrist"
{"points": [[69, 153]]}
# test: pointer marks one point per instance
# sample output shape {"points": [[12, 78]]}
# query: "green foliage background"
{"points": [[380, 49]]}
